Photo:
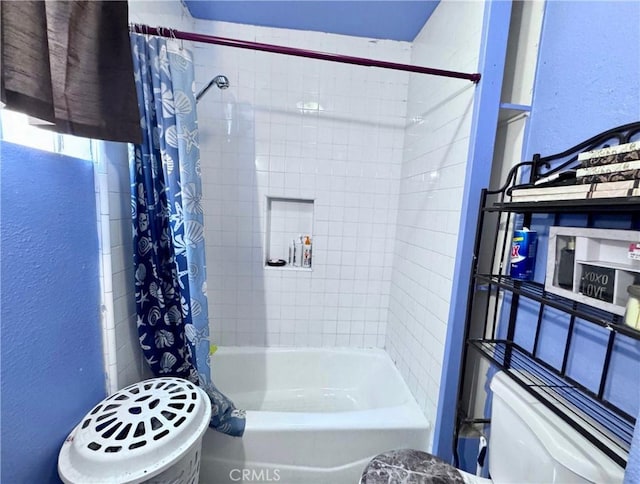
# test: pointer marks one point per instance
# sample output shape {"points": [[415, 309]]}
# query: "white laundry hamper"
{"points": [[147, 432]]}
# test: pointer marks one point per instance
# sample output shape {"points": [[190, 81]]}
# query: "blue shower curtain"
{"points": [[170, 270]]}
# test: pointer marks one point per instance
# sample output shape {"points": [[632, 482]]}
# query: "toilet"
{"points": [[528, 444]]}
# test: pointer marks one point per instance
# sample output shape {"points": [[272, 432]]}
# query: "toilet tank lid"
{"points": [[564, 444]]}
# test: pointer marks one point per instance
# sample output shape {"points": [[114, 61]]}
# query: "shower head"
{"points": [[221, 81]]}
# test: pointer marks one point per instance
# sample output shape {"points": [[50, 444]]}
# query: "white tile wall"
{"points": [[300, 128], [434, 159], [123, 358], [107, 321]]}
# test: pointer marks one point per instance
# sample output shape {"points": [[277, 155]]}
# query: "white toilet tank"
{"points": [[530, 444]]}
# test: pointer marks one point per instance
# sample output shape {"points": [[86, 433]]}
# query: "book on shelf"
{"points": [[610, 177], [613, 168], [578, 196], [610, 155], [624, 188]]}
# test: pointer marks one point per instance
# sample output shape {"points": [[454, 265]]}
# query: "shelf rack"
{"points": [[589, 412], [536, 292]]}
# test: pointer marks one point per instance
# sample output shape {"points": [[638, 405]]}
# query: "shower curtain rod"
{"points": [[279, 49]]}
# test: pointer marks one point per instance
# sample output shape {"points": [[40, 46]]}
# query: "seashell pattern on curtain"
{"points": [[168, 231]]}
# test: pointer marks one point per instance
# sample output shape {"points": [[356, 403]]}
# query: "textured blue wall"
{"points": [[588, 73], [51, 350]]}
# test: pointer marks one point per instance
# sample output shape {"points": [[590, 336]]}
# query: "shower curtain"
{"points": [[168, 231]]}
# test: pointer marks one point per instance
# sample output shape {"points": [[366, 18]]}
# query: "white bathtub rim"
{"points": [[387, 418], [243, 464], [377, 352]]}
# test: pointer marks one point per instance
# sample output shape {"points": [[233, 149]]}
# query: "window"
{"points": [[17, 128]]}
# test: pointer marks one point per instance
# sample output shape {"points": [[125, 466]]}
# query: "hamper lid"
{"points": [[136, 433]]}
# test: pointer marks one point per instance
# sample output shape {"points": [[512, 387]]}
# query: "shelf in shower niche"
{"points": [[288, 268], [286, 220], [609, 429]]}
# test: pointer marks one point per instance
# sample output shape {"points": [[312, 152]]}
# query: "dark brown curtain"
{"points": [[69, 63]]}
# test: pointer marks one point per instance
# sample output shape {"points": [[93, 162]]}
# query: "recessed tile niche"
{"points": [[287, 220]]}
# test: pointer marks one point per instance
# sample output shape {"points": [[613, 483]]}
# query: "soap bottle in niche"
{"points": [[297, 251], [306, 252], [292, 249], [566, 265]]}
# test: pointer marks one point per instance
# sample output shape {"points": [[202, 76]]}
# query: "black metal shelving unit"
{"points": [[587, 410]]}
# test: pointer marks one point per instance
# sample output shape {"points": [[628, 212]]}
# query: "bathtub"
{"points": [[313, 415]]}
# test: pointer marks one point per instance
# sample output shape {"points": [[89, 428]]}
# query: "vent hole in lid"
{"points": [[111, 431], [148, 386], [191, 407], [104, 425], [124, 432], [94, 446], [105, 415], [114, 448], [135, 445], [86, 423], [177, 406], [160, 384], [139, 430], [161, 434], [154, 403], [143, 398], [189, 386], [194, 396], [111, 407], [171, 385], [168, 415], [96, 410], [135, 390], [135, 410], [179, 422], [122, 397], [176, 390], [182, 396], [155, 423]]}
